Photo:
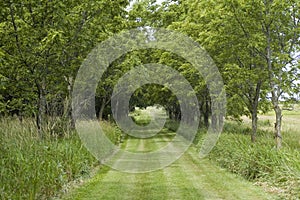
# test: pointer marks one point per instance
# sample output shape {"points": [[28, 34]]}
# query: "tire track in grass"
{"points": [[176, 183], [150, 185], [218, 183], [109, 184], [120, 185], [196, 176], [172, 181], [179, 185]]}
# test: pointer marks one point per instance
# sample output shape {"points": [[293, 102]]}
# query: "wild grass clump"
{"points": [[34, 168], [260, 162], [113, 133]]}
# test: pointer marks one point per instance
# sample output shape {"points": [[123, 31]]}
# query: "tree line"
{"points": [[255, 45]]}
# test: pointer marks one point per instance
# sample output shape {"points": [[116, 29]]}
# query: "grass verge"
{"points": [[33, 168], [277, 171]]}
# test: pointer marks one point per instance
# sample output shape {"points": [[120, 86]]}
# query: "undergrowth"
{"points": [[33, 168], [261, 162], [278, 171]]}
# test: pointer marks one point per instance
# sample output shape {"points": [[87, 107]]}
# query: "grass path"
{"points": [[187, 178]]}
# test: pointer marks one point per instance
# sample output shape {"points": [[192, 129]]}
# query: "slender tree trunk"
{"points": [[71, 117], [254, 125], [170, 113], [68, 112], [178, 114], [254, 111], [214, 121], [277, 126], [206, 114], [41, 110], [116, 111], [221, 120], [275, 91], [102, 109], [69, 101]]}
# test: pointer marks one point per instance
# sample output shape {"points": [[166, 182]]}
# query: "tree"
{"points": [[42, 46], [280, 25], [213, 30], [251, 42]]}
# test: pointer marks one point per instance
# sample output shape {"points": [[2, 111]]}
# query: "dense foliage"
{"points": [[43, 43], [42, 47]]}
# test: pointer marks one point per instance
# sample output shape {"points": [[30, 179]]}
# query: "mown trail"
{"points": [[187, 178]]}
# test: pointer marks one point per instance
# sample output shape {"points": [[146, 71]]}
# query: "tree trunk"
{"points": [[254, 125], [275, 91], [206, 114], [170, 113], [69, 101], [277, 126], [214, 122], [41, 110], [102, 109], [254, 111]]}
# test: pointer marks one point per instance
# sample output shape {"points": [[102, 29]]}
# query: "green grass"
{"points": [[189, 177], [32, 168], [277, 171]]}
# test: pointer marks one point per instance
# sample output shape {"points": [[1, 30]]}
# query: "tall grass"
{"points": [[260, 162], [277, 171], [32, 168]]}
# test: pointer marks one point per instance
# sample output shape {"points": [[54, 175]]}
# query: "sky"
{"points": [[131, 3]]}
